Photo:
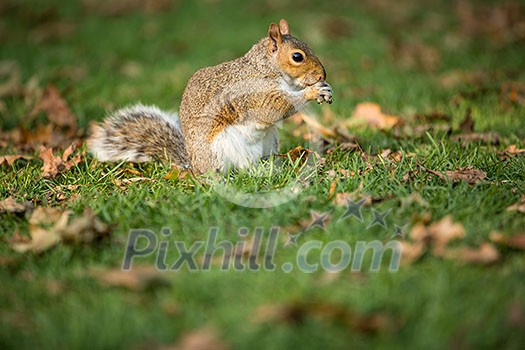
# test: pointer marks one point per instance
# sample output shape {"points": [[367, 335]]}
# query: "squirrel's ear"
{"points": [[285, 28], [274, 34]]}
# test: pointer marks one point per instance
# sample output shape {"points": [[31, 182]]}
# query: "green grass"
{"points": [[433, 303]]}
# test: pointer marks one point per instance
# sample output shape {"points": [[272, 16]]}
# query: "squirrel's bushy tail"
{"points": [[138, 134]]}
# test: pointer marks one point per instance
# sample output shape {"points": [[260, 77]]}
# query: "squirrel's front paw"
{"points": [[322, 92]]}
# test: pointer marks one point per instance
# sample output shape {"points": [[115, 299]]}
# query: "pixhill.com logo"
{"points": [[257, 250]]}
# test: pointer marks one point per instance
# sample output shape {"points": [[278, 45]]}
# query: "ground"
{"points": [[438, 173]]}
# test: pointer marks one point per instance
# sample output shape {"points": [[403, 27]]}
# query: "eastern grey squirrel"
{"points": [[228, 112]]}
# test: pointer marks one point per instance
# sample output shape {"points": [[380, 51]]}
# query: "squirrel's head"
{"points": [[293, 56]]}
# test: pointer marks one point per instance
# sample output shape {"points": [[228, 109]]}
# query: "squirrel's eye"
{"points": [[297, 57]]}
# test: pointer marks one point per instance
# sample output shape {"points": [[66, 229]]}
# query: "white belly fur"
{"points": [[241, 146]]}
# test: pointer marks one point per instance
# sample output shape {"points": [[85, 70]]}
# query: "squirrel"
{"points": [[228, 112]]}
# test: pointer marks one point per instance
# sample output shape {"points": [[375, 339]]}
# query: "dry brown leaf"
{"points": [[438, 234], [411, 252], [178, 174], [56, 109], [514, 241], [341, 199], [413, 197], [139, 278], [485, 254], [468, 174], [84, 229], [9, 160], [45, 216], [519, 207], [297, 312], [317, 131], [11, 206], [371, 114], [41, 240], [54, 165], [297, 155], [512, 150], [122, 183], [50, 226], [316, 126], [332, 189], [201, 339]]}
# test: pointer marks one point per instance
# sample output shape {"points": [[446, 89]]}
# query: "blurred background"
{"points": [[409, 56]]}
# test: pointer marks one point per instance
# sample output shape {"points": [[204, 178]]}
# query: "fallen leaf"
{"points": [[485, 254], [519, 207], [9, 160], [45, 216], [178, 174], [296, 313], [341, 199], [371, 114], [122, 183], [332, 189], [11, 206], [50, 226], [84, 229], [512, 150], [56, 109], [439, 234], [297, 155], [41, 240], [54, 165], [139, 278], [200, 339], [413, 197], [411, 252], [514, 241], [312, 123], [468, 174]]}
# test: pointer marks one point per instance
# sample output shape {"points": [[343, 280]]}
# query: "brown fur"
{"points": [[253, 92]]}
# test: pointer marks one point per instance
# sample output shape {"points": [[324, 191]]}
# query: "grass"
{"points": [[50, 301]]}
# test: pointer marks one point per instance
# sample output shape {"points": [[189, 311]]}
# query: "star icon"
{"points": [[398, 231], [292, 239], [318, 220], [353, 209], [379, 218]]}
